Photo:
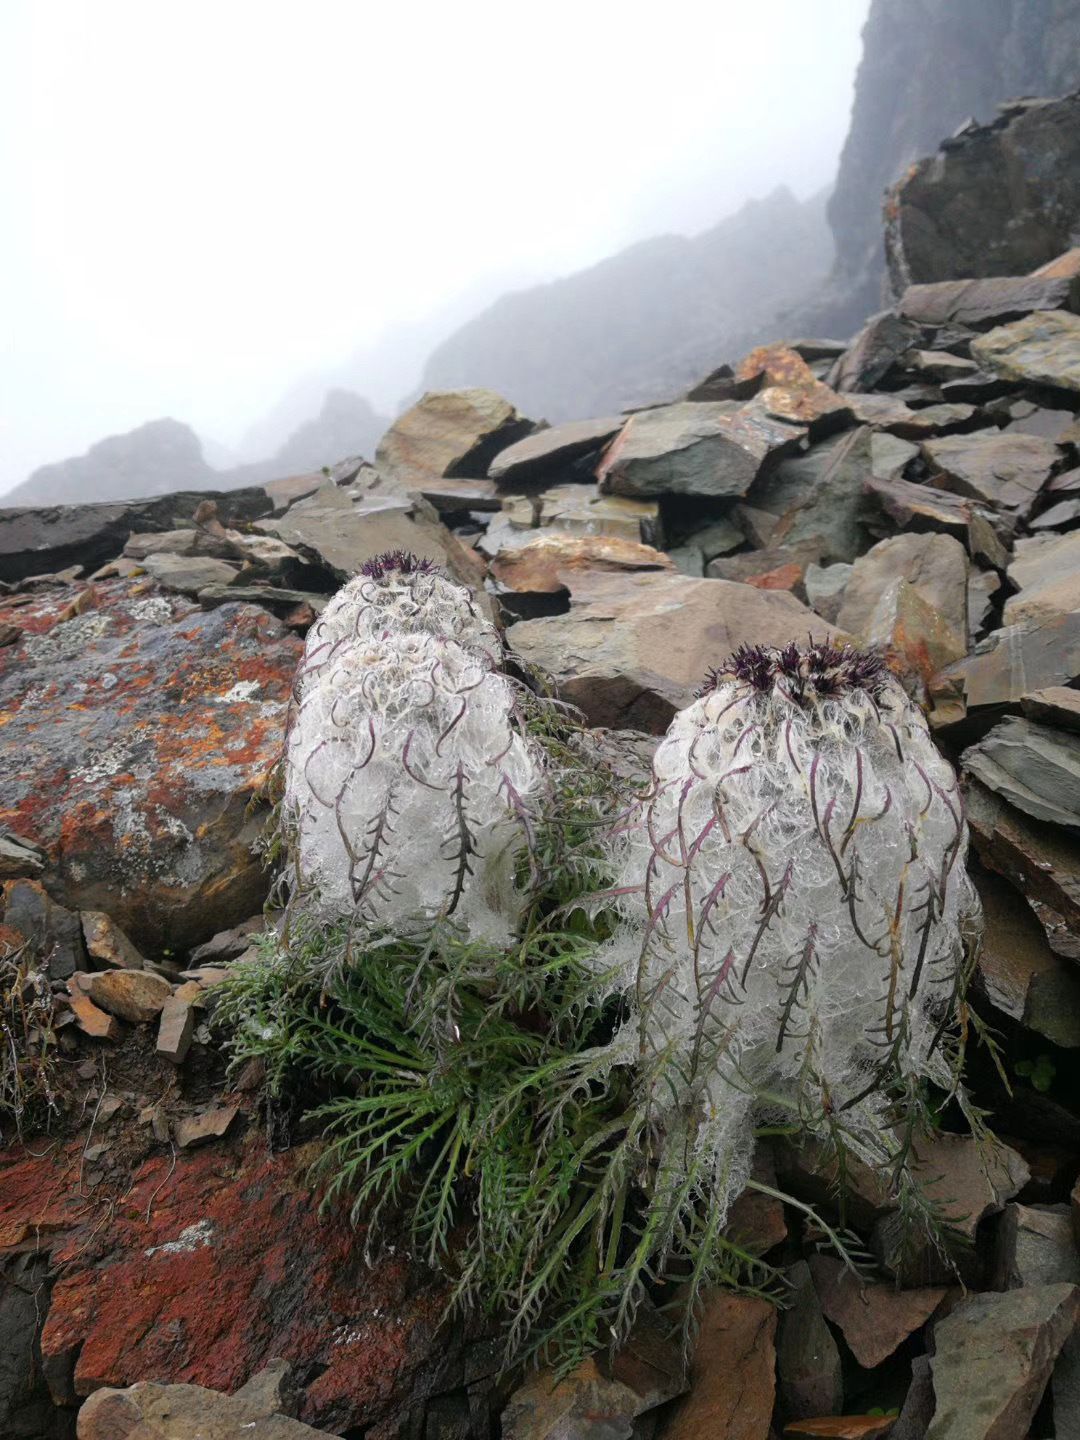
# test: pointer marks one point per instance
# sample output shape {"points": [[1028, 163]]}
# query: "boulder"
{"points": [[917, 640], [999, 199], [633, 649], [1047, 575], [134, 995], [892, 415], [1017, 659], [1043, 348], [821, 497], [149, 1411], [558, 451], [983, 303], [1043, 863], [874, 351], [732, 1372], [1035, 1245], [919, 507], [29, 916], [106, 942], [547, 564], [789, 389], [1019, 973], [936, 568], [449, 432], [136, 735], [993, 1356], [1003, 470], [1035, 768], [188, 574], [694, 449]]}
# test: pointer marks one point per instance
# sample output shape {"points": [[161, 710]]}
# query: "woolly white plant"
{"points": [[795, 910], [408, 780]]}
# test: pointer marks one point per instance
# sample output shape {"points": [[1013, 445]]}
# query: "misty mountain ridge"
{"points": [[166, 455], [648, 321]]}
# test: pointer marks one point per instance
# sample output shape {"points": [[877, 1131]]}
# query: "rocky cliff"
{"points": [[646, 322], [927, 68]]}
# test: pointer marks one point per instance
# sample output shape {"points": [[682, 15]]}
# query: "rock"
{"points": [[1003, 470], [788, 388], [694, 449], [634, 648], [95, 1023], [449, 495], [719, 538], [1015, 660], [19, 858], [983, 586], [339, 528], [273, 1391], [1019, 972], [940, 365], [918, 1408], [162, 542], [176, 1028], [1058, 516], [1043, 348], [449, 432], [598, 1402], [986, 302], [34, 541], [212, 1124], [53, 934], [936, 568], [756, 1221], [825, 586], [993, 1357], [227, 944], [1055, 705], [1048, 578], [584, 510], [135, 995], [821, 497], [997, 201], [1036, 769], [889, 455], [553, 452], [277, 599], [1043, 864], [1035, 1246], [136, 736], [917, 506], [547, 563], [874, 352], [781, 568], [107, 943], [875, 1319], [150, 1411], [889, 413], [732, 1373], [807, 1360], [1065, 1390]]}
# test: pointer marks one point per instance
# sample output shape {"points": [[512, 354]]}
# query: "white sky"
{"points": [[202, 201]]}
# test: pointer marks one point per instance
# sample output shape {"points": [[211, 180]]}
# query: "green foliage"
{"points": [[1041, 1072]]}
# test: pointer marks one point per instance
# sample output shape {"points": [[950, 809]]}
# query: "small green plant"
{"points": [[1040, 1071]]}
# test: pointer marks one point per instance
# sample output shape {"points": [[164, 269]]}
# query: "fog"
{"points": [[203, 205]]}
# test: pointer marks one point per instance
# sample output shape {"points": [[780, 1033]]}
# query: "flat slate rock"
{"points": [[874, 351], [449, 432], [694, 449], [554, 450], [990, 301], [1013, 661], [188, 574], [1035, 768], [821, 496], [1042, 348], [1004, 470], [1046, 573]]}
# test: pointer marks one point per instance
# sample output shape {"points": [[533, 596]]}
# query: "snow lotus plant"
{"points": [[549, 998], [408, 778]]}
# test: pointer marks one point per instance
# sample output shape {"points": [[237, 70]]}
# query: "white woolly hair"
{"points": [[397, 595], [794, 897], [408, 783]]}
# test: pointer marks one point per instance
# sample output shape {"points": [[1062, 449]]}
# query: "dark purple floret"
{"points": [[397, 562], [816, 670]]}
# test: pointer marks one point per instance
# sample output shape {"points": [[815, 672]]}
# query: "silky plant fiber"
{"points": [[407, 775], [796, 911]]}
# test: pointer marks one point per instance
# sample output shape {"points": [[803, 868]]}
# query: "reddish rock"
{"points": [[133, 738], [135, 995], [875, 1319], [212, 1124], [548, 563], [202, 1269], [790, 389], [91, 1021], [106, 942], [732, 1373], [842, 1427]]}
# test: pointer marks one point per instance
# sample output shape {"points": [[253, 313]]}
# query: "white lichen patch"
{"points": [[242, 690], [194, 1237]]}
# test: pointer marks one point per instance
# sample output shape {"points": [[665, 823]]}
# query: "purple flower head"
{"points": [[397, 562], [817, 670]]}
